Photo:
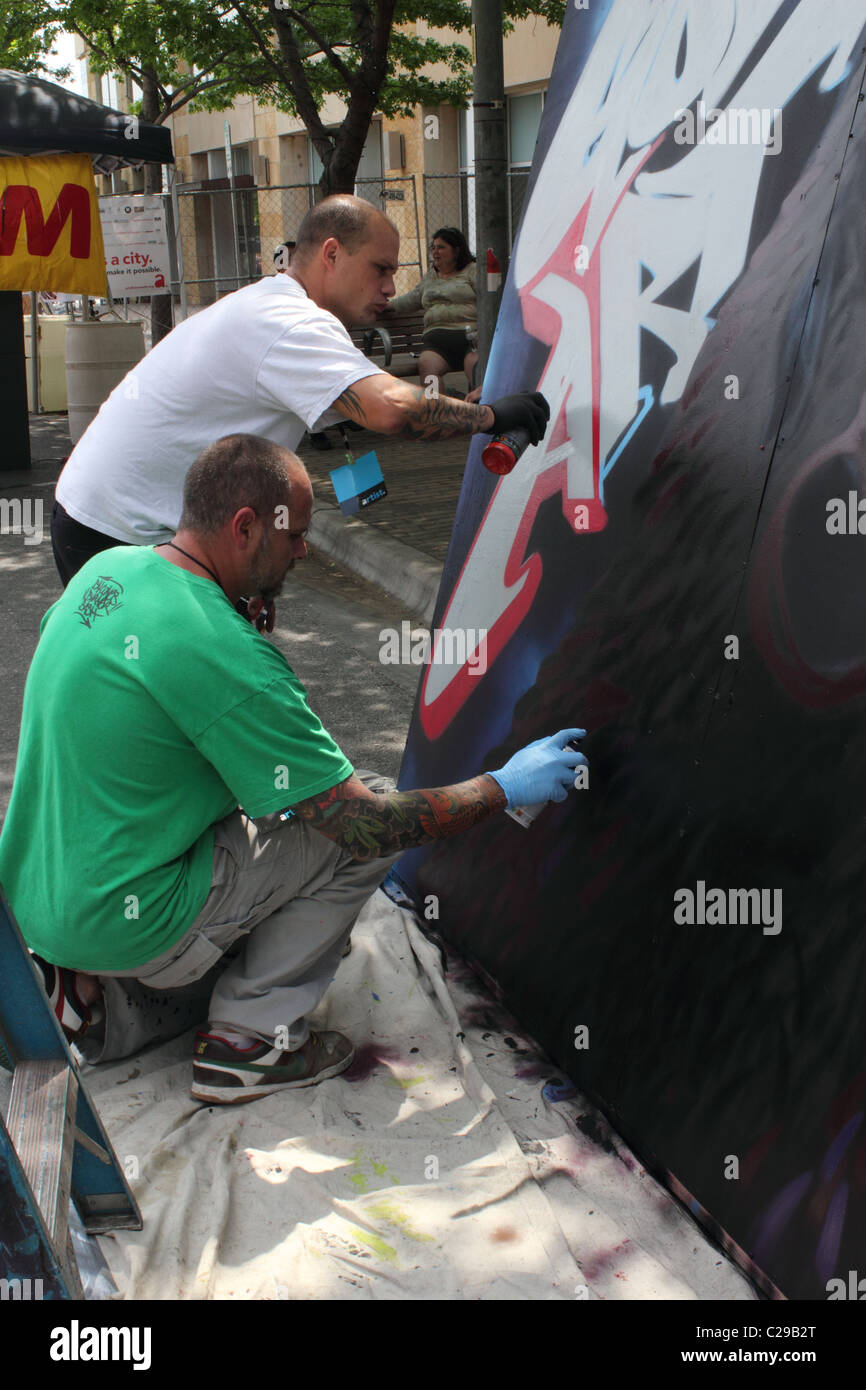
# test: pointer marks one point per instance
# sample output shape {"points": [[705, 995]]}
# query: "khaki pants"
{"points": [[262, 950]]}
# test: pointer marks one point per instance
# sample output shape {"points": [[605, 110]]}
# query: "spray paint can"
{"points": [[525, 815], [502, 453]]}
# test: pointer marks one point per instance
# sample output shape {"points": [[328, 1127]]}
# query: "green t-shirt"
{"points": [[152, 709]]}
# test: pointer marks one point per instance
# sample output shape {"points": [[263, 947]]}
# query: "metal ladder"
{"points": [[52, 1143]]}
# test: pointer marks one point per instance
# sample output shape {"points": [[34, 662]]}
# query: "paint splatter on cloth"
{"points": [[452, 1160]]}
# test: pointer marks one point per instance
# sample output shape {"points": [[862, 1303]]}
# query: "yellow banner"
{"points": [[50, 234]]}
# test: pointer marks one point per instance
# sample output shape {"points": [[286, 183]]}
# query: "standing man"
{"points": [[272, 359]]}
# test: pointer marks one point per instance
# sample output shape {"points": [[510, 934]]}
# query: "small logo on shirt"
{"points": [[103, 596]]}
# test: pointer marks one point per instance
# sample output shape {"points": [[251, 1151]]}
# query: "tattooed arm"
{"points": [[390, 406], [370, 825]]}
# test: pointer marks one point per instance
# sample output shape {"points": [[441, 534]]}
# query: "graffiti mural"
{"points": [[678, 567]]}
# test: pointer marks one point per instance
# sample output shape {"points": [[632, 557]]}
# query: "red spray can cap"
{"points": [[502, 453]]}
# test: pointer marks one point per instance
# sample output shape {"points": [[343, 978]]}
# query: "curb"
{"points": [[401, 571]]}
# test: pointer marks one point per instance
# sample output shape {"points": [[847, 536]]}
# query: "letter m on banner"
{"points": [[50, 233], [43, 234]]}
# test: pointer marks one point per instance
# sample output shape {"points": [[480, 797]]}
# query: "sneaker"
{"points": [[320, 441], [227, 1075], [74, 1016]]}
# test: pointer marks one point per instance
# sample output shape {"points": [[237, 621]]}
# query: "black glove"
{"points": [[526, 411]]}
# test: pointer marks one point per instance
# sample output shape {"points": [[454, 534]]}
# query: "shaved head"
{"points": [[352, 221]]}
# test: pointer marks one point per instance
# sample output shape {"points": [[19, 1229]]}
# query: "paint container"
{"points": [[525, 815], [502, 453]]}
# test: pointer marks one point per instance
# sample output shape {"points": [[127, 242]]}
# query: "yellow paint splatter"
{"points": [[359, 1180], [387, 1211], [377, 1245]]}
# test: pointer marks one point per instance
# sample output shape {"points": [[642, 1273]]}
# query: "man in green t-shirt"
{"points": [[181, 821]]}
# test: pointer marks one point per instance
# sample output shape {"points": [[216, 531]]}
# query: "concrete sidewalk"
{"points": [[400, 544]]}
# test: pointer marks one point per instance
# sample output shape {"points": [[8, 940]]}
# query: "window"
{"points": [[241, 160], [465, 141], [524, 119], [316, 167], [216, 164]]}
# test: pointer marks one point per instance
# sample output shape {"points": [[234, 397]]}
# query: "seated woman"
{"points": [[447, 296]]}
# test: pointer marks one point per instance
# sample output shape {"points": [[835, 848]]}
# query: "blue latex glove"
{"points": [[542, 771]]}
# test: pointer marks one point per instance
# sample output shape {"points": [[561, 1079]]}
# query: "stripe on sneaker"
{"points": [[248, 1073]]}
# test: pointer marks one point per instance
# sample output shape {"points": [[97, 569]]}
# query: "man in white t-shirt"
{"points": [[272, 359]]}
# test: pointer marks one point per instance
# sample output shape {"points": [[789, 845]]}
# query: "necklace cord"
{"points": [[195, 560]]}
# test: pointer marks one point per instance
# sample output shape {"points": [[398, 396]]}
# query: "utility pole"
{"points": [[491, 166]]}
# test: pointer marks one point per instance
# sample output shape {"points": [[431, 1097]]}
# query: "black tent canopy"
{"points": [[39, 117]]}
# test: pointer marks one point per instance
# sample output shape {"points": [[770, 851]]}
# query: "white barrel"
{"points": [[98, 357]]}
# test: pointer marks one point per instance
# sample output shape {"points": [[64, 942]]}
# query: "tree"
{"points": [[176, 53], [365, 52], [28, 29], [291, 53]]}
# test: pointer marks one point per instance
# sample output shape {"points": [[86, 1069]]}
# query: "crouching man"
{"points": [[184, 840]]}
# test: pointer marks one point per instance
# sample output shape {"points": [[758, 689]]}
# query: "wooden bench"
{"points": [[394, 343]]}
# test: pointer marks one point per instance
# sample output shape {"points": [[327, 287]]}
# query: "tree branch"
{"points": [[261, 42], [110, 58], [172, 104], [298, 84], [197, 76], [324, 47]]}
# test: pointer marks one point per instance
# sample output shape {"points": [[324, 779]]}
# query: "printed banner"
{"points": [[137, 257], [50, 236]]}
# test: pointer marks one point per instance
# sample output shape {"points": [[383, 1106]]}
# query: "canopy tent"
{"points": [[41, 118]]}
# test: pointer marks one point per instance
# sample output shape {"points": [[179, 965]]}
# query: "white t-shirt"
{"points": [[263, 360]]}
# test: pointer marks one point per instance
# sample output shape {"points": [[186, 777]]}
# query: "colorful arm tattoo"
{"points": [[370, 826], [439, 417]]}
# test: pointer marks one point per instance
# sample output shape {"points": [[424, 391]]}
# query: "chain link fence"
{"points": [[449, 201], [226, 237], [398, 199]]}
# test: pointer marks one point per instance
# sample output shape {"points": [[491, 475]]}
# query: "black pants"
{"points": [[74, 544]]}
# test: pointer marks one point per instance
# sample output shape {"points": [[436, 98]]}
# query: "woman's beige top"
{"points": [[448, 301]]}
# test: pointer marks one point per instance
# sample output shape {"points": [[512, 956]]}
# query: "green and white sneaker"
{"points": [[224, 1074]]}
